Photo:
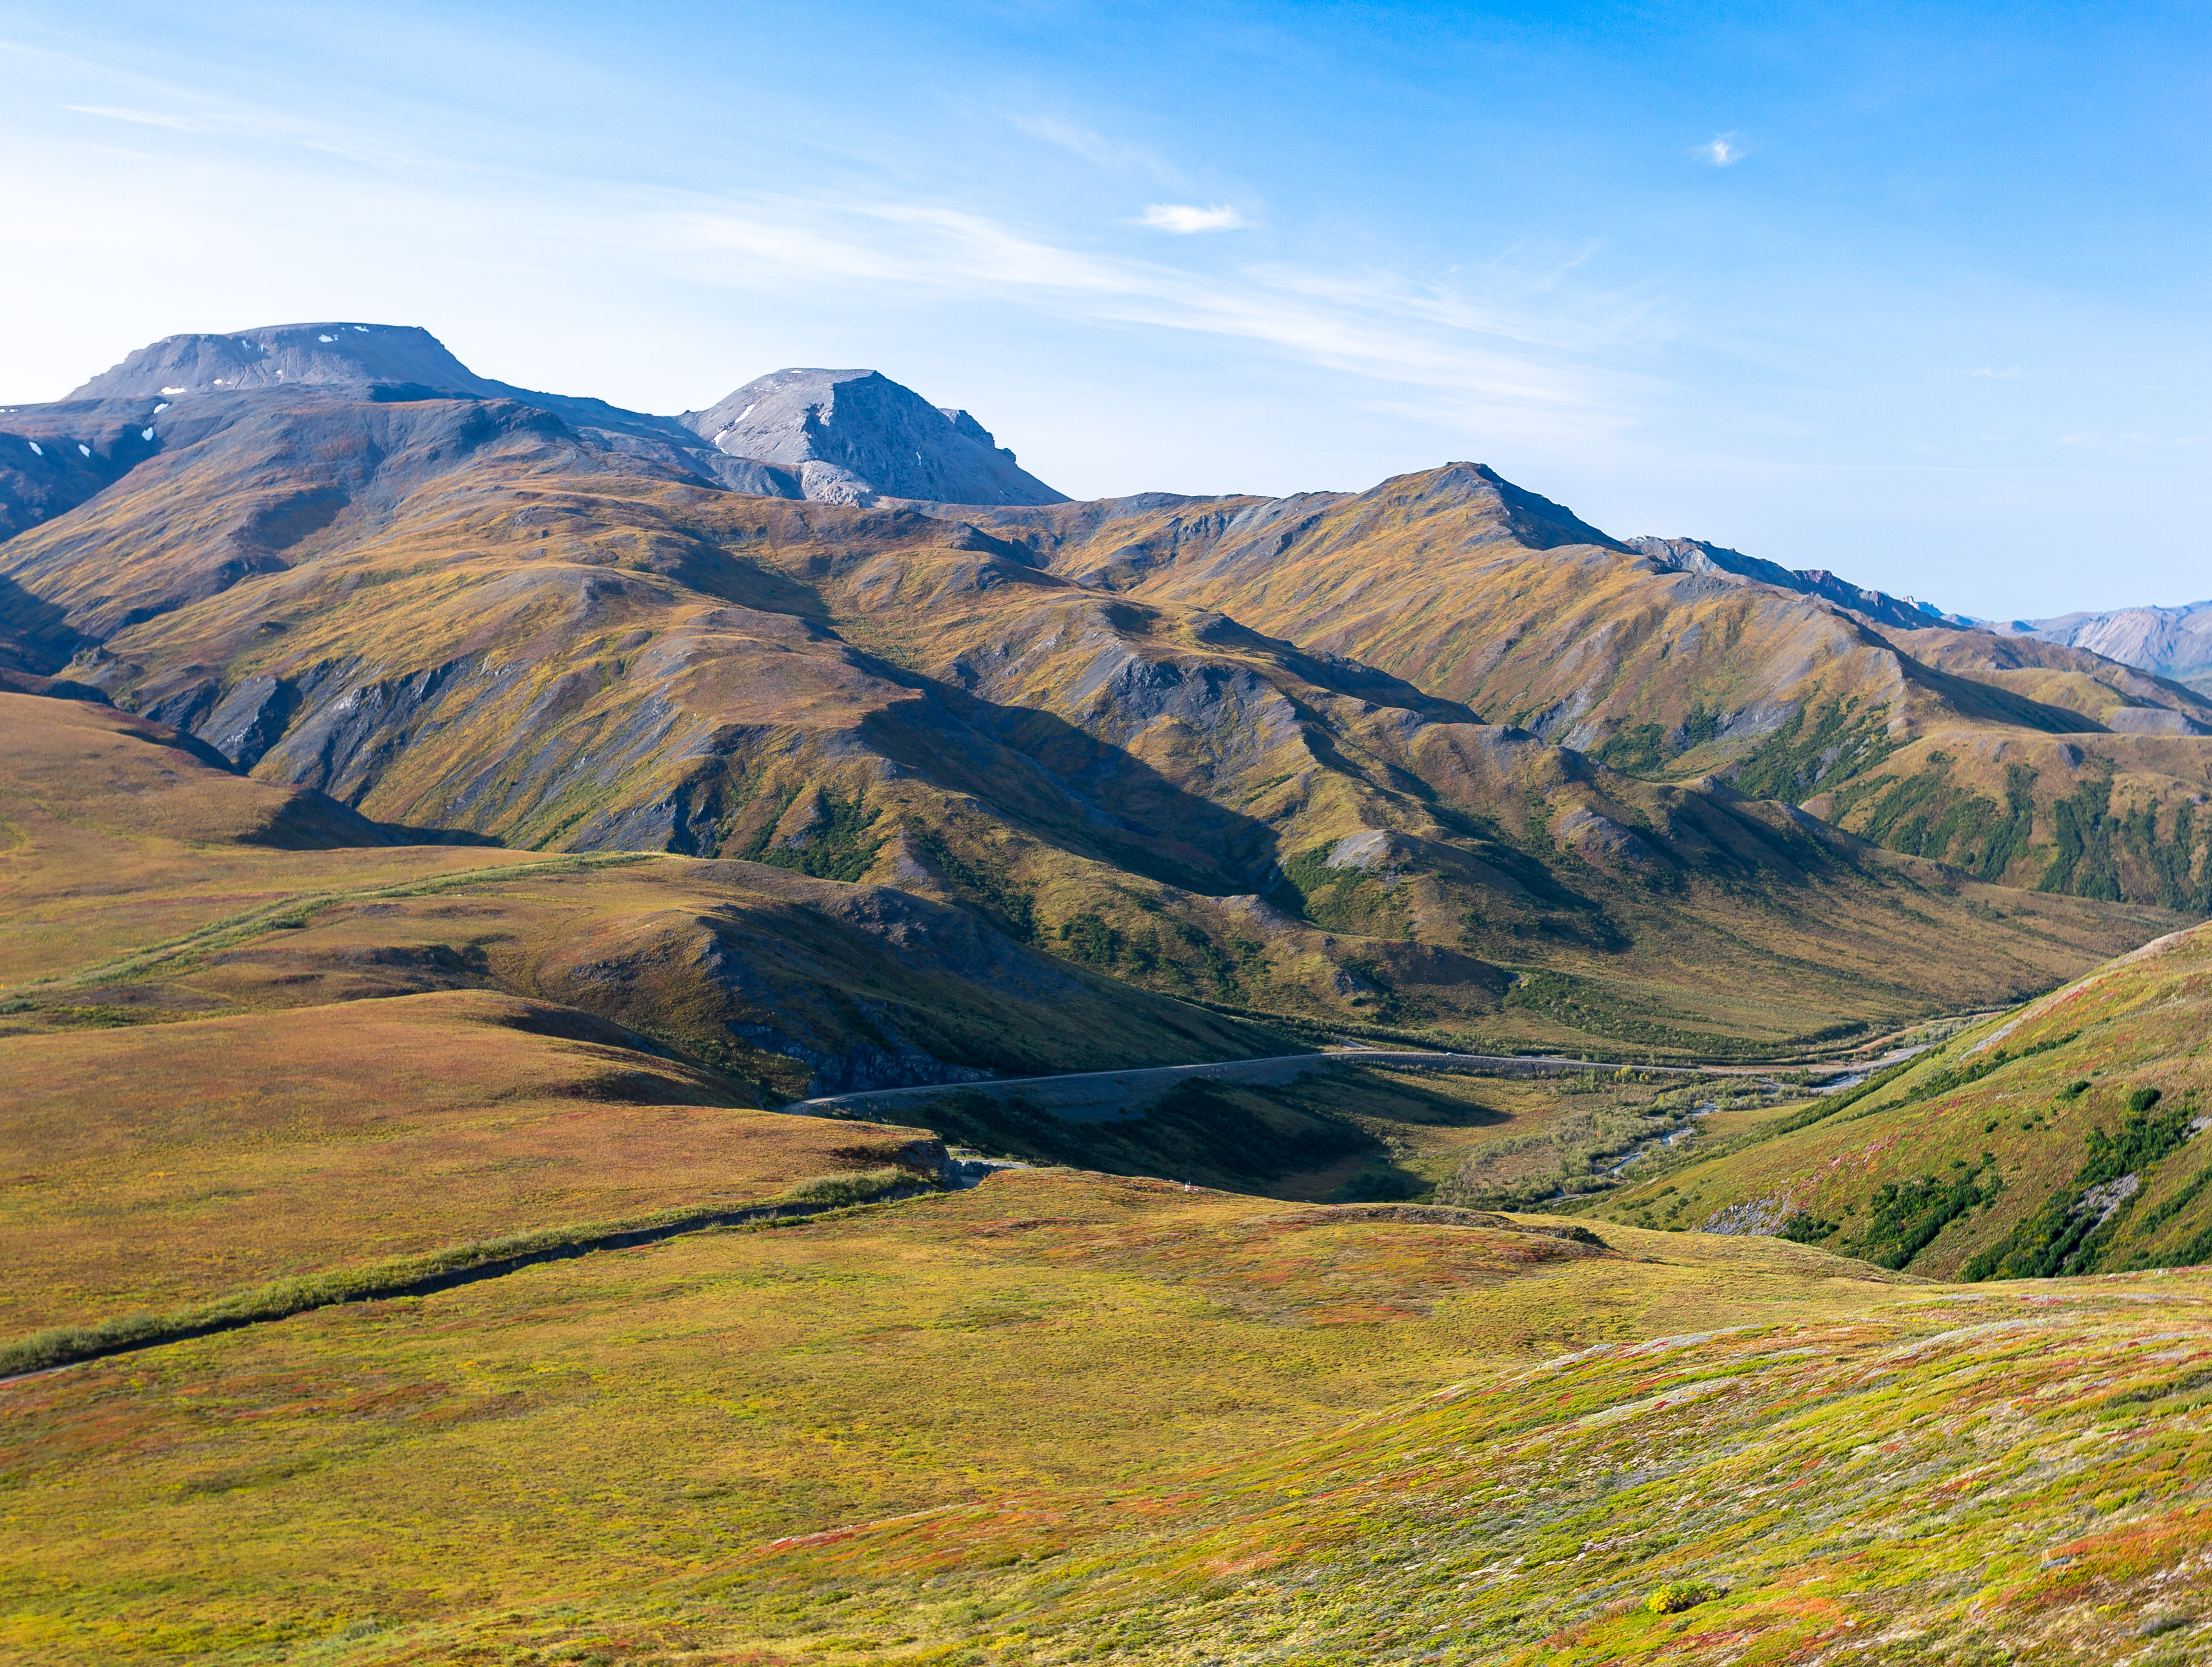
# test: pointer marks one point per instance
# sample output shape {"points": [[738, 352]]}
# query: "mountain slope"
{"points": [[141, 881], [1478, 591], [2062, 1138], [1672, 666], [472, 617], [531, 641]]}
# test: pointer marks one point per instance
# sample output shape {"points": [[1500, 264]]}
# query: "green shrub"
{"points": [[1678, 1594]]}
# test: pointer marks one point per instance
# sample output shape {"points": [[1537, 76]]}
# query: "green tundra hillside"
{"points": [[2061, 1139], [1475, 590]]}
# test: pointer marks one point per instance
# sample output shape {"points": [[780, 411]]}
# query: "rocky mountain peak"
{"points": [[347, 355], [1486, 503], [855, 435]]}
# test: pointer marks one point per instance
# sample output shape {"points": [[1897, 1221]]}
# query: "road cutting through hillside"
{"points": [[1102, 1096]]}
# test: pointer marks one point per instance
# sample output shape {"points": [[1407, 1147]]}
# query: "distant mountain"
{"points": [[2172, 642], [1696, 555], [856, 435], [289, 355], [837, 436]]}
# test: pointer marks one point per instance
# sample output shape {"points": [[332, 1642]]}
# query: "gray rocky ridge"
{"points": [[855, 435], [2170, 642], [836, 437], [1696, 555]]}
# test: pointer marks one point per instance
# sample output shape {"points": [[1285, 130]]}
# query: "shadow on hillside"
{"points": [[35, 634], [404, 833], [1084, 795]]}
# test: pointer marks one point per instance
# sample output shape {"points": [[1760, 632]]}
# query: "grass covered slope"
{"points": [[2063, 1139], [1934, 1480], [159, 1165], [145, 881], [581, 1429], [118, 834], [2092, 816], [1064, 1418]]}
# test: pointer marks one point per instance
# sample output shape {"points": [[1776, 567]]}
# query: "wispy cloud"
{"points": [[221, 117], [1721, 150], [1188, 217], [2009, 373], [141, 117], [1098, 148], [1477, 357]]}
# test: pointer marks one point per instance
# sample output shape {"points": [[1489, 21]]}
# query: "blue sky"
{"points": [[1914, 294]]}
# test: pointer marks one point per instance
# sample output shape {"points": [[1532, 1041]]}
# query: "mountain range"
{"points": [[1438, 753], [2172, 642], [1464, 1087]]}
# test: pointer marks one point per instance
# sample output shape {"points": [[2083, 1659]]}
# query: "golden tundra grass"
{"points": [[593, 1426], [159, 1165], [1064, 1418], [111, 842]]}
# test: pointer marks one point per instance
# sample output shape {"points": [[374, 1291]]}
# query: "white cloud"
{"points": [[1722, 151], [1187, 217]]}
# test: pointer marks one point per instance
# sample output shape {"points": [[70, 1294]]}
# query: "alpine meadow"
{"points": [[754, 1038]]}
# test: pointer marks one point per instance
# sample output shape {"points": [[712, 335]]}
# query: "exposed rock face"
{"points": [[1696, 555], [856, 435], [2172, 642]]}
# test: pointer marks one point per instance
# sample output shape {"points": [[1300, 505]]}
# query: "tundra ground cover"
{"points": [[2008, 1478], [153, 1166], [1121, 1409]]}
